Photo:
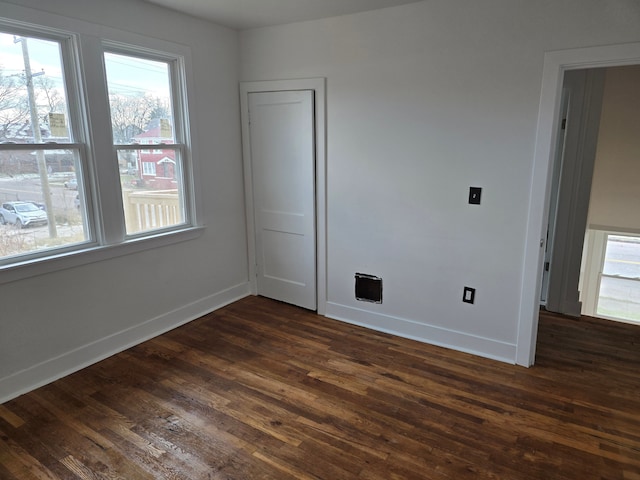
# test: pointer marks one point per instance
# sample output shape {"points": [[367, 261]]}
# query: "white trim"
{"points": [[614, 230], [434, 335], [318, 86], [47, 147], [555, 64], [79, 358], [92, 253], [593, 261]]}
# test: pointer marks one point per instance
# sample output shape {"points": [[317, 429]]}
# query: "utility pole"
{"points": [[37, 137]]}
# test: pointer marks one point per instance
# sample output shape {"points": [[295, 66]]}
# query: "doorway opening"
{"points": [[555, 65], [610, 269], [592, 261]]}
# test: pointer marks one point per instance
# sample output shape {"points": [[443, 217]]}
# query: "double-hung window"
{"points": [[42, 147], [94, 145], [143, 102]]}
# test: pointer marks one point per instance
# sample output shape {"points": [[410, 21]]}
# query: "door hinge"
{"points": [[546, 266], [564, 124]]}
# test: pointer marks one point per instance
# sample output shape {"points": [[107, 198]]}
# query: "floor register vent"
{"points": [[368, 288]]}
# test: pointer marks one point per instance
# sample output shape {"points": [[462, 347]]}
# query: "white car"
{"points": [[22, 214]]}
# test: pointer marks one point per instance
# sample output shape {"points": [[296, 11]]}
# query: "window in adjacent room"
{"points": [[619, 289]]}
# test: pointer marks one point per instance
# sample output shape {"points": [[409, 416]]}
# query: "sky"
{"points": [[43, 55], [126, 75]]}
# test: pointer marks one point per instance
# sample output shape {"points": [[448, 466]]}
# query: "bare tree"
{"points": [[48, 95], [130, 115], [14, 106], [161, 109]]}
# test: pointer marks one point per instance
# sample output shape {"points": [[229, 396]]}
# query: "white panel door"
{"points": [[282, 146]]}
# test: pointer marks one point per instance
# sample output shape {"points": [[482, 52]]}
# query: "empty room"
{"points": [[317, 239]]}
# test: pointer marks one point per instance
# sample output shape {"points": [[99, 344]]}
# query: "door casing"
{"points": [[585, 88], [318, 85]]}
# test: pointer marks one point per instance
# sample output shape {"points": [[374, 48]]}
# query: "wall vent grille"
{"points": [[368, 288]]}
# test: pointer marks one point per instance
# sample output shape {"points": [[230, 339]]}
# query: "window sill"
{"points": [[93, 254]]}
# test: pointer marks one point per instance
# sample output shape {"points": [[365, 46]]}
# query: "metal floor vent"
{"points": [[368, 288]]}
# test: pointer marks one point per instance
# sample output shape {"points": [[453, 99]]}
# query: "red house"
{"points": [[157, 167]]}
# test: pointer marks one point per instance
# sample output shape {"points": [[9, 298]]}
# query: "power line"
{"points": [[155, 69]]}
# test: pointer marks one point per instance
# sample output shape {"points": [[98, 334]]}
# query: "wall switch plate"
{"points": [[469, 295], [474, 195]]}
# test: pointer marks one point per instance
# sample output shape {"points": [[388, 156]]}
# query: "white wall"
{"points": [[423, 101], [615, 190], [57, 322]]}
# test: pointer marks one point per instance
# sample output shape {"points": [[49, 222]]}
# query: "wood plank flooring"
{"points": [[263, 390]]}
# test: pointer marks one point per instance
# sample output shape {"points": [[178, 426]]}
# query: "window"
{"points": [[41, 162], [142, 113], [148, 168], [619, 290], [58, 192]]}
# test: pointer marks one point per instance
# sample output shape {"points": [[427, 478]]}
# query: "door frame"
{"points": [[586, 89], [318, 86], [555, 64]]}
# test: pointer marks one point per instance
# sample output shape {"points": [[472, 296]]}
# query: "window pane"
{"points": [[619, 295], [151, 189], [622, 256], [619, 298], [33, 104], [42, 203], [38, 212], [140, 99]]}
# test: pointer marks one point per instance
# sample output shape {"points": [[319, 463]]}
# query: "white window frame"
{"points": [[149, 168], [77, 130], [84, 67], [179, 113], [594, 258]]}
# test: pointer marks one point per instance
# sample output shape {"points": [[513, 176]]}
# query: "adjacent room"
{"points": [[312, 239]]}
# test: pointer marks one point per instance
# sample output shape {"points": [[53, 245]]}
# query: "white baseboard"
{"points": [[464, 342], [46, 372]]}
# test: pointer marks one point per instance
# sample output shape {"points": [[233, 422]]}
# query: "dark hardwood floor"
{"points": [[262, 390]]}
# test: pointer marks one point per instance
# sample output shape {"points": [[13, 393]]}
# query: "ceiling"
{"points": [[242, 14]]}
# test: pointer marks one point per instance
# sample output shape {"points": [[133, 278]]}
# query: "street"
{"points": [[27, 188], [68, 220]]}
